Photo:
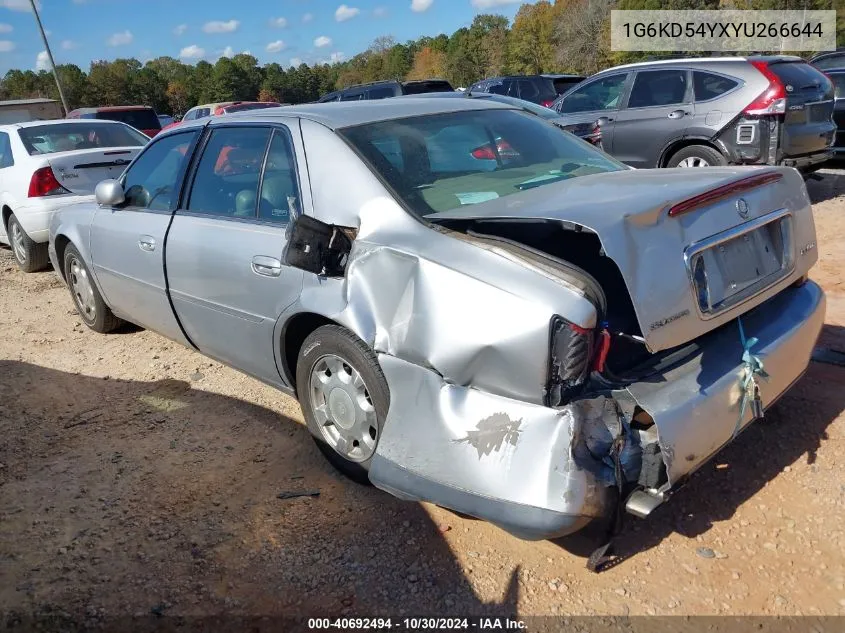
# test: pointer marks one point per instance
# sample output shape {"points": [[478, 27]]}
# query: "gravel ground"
{"points": [[139, 477]]}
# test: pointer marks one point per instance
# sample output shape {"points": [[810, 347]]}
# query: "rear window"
{"points": [[536, 89], [67, 137], [142, 119], [418, 88], [440, 162], [798, 75], [562, 84], [709, 86], [830, 61]]}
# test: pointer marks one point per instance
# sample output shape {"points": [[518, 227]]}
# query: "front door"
{"points": [[597, 99], [127, 242], [227, 279], [659, 111]]}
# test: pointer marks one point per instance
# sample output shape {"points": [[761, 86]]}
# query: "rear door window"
{"points": [[658, 88], [709, 86], [381, 92], [528, 90], [602, 94], [279, 187], [226, 181]]}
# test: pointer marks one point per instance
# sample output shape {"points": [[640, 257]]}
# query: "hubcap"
{"points": [[18, 243], [694, 161], [342, 406], [83, 291]]}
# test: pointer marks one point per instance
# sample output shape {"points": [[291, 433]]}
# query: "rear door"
{"points": [[127, 242], [227, 279], [659, 110], [808, 124]]}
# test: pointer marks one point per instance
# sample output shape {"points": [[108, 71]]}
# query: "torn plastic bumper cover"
{"points": [[541, 472]]}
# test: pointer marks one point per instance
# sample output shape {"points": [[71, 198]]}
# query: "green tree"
{"points": [[531, 49]]}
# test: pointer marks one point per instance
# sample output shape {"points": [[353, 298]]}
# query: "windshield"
{"points": [[67, 137], [141, 119], [440, 162]]}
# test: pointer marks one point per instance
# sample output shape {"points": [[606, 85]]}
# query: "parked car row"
{"points": [[461, 296]]}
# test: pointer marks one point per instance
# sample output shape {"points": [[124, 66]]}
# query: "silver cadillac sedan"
{"points": [[473, 307]]}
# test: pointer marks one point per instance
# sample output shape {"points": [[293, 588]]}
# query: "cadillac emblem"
{"points": [[742, 208]]}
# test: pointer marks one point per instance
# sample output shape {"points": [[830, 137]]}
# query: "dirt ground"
{"points": [[139, 477]]}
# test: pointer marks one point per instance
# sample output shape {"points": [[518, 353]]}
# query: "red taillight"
{"points": [[485, 152], [44, 183], [725, 191], [773, 99], [547, 103]]}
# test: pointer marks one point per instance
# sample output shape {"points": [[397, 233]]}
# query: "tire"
{"points": [[330, 399], [86, 297], [693, 154], [30, 256]]}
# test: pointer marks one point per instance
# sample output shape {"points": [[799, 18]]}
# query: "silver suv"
{"points": [[702, 112]]}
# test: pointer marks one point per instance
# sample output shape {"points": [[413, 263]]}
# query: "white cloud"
{"points": [[345, 13], [489, 4], [275, 47], [418, 6], [322, 41], [295, 61], [246, 52], [279, 23], [6, 28], [69, 45], [192, 52], [308, 17], [120, 39], [179, 30], [18, 5], [228, 52], [6, 46], [42, 61], [380, 12], [218, 26], [336, 58]]}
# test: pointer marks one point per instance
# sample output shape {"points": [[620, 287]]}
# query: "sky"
{"points": [[287, 32]]}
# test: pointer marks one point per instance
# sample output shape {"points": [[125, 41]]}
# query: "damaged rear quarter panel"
{"points": [[476, 317]]}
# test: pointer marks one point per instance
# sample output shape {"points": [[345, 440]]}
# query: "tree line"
{"points": [[548, 36]]}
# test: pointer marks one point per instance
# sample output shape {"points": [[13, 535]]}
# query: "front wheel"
{"points": [[30, 256], [344, 398], [697, 156], [89, 303]]}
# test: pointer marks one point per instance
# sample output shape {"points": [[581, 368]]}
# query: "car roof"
{"points": [[25, 124], [344, 114], [112, 109], [703, 61]]}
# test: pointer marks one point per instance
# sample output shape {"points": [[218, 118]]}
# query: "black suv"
{"points": [[534, 88], [386, 89]]}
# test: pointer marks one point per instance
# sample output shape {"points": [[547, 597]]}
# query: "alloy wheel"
{"points": [[83, 291]]}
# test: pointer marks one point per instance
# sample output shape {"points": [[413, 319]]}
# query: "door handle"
{"points": [[147, 243], [678, 114], [267, 266], [603, 120]]}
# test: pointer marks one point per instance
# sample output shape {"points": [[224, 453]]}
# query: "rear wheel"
{"points": [[697, 156], [89, 303], [344, 398], [30, 256]]}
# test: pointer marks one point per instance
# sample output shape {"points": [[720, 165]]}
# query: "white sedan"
{"points": [[48, 165]]}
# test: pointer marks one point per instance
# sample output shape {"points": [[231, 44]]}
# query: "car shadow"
{"points": [[831, 183], [126, 497], [792, 430]]}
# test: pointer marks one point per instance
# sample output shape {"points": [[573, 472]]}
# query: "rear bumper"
{"points": [[523, 467], [35, 216], [808, 161]]}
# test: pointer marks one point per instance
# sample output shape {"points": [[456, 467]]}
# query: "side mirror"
{"points": [[109, 193]]}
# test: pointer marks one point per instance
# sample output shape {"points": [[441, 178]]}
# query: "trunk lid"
{"points": [[729, 245], [808, 122], [79, 171]]}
